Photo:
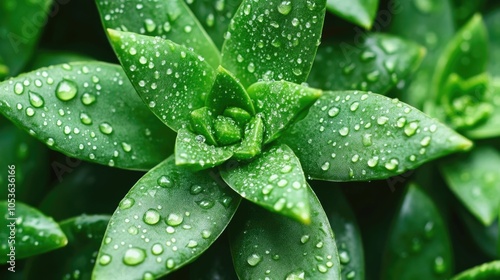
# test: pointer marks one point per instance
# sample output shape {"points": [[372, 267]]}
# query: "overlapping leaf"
{"points": [[270, 245], [418, 245], [347, 233], [430, 24], [273, 40], [360, 12], [279, 103], [77, 259], [26, 232], [167, 219], [274, 180], [21, 24], [170, 19], [73, 109], [170, 78], [377, 63], [490, 127], [475, 179], [352, 136], [486, 271]]}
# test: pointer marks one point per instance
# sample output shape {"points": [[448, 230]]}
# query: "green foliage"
{"points": [[240, 112]]}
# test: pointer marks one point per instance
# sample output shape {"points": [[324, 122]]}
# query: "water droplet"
{"points": [[151, 217], [106, 128], [165, 182], [282, 183], [254, 259], [344, 131], [367, 140], [206, 203], [355, 158], [188, 29], [297, 275], [285, 7], [382, 120], [351, 275], [392, 164], [429, 229], [425, 141], [411, 128], [439, 265], [133, 230], [195, 189], [134, 256], [373, 76], [148, 276], [206, 234], [66, 90], [280, 204], [170, 264], [88, 99], [85, 119], [174, 219], [426, 6], [401, 122], [325, 166], [367, 55], [354, 106], [126, 147], [322, 268], [157, 249], [372, 162], [104, 259], [150, 25], [18, 88], [304, 239], [334, 111], [344, 257], [267, 189], [127, 203], [210, 20], [297, 71], [192, 244], [50, 142], [251, 67]]}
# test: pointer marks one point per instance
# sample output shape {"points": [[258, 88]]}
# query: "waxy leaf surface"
{"points": [[264, 244], [273, 40], [274, 180], [360, 12], [475, 179], [76, 111], [168, 219], [353, 136], [418, 244], [376, 64], [28, 231], [168, 19], [172, 80]]}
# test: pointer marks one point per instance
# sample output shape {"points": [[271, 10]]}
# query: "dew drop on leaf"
{"points": [[254, 259], [151, 217], [106, 128], [105, 259], [126, 203], [66, 90], [35, 99], [134, 256]]}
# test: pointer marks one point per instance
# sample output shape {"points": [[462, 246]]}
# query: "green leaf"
{"points": [[430, 24], [162, 70], [491, 126], [486, 271], [31, 160], [168, 219], [347, 233], [215, 16], [274, 180], [78, 184], [376, 64], [77, 259], [192, 152], [26, 231], [21, 25], [202, 123], [228, 92], [492, 22], [353, 136], [279, 103], [484, 237], [360, 12], [273, 40], [89, 111], [465, 55], [418, 245], [170, 19], [264, 245], [251, 145], [475, 180]]}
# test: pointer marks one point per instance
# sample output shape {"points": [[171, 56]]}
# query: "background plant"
{"points": [[461, 79]]}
